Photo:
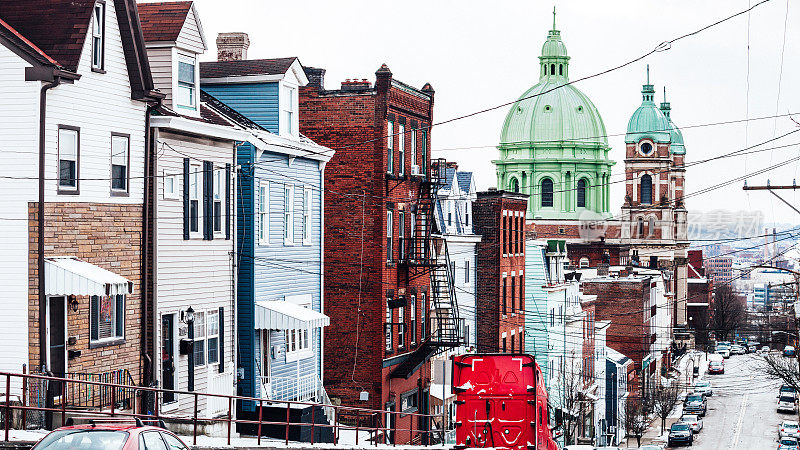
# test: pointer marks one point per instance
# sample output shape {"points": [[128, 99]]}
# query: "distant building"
{"points": [[719, 269], [620, 375], [499, 218]]}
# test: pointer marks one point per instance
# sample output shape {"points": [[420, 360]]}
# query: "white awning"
{"points": [[283, 315], [71, 276]]}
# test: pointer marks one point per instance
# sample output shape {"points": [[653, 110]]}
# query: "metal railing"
{"points": [[306, 388], [345, 418]]}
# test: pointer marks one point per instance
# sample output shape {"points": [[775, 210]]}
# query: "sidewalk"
{"points": [[686, 380]]}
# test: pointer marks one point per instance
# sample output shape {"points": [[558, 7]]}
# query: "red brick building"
{"points": [[597, 253], [700, 299], [626, 302], [380, 258], [499, 218]]}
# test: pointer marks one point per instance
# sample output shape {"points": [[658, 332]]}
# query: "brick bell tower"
{"points": [[654, 217]]}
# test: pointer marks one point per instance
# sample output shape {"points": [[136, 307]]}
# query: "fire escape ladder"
{"points": [[427, 252]]}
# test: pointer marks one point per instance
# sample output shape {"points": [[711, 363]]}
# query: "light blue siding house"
{"points": [[280, 233]]}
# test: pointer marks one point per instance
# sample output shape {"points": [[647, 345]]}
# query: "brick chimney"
{"points": [[232, 46], [316, 77], [356, 85]]}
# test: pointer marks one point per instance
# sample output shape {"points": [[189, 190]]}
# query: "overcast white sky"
{"points": [[478, 54]]}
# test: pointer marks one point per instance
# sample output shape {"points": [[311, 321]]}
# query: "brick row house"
{"points": [[499, 218], [387, 283], [74, 264]]}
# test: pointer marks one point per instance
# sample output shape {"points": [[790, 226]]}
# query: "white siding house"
{"points": [[94, 147]]}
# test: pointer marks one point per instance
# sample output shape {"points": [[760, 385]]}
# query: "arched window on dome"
{"points": [[514, 185], [582, 187], [646, 190], [552, 69], [561, 69], [547, 192]]}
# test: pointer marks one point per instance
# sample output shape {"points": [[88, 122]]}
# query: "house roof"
{"points": [[163, 21], [464, 181], [24, 47], [212, 111], [57, 27], [56, 31], [219, 69]]}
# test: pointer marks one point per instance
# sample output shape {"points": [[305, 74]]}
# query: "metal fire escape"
{"points": [[425, 252]]}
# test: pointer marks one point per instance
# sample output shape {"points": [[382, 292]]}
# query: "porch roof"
{"points": [[283, 315], [71, 276]]}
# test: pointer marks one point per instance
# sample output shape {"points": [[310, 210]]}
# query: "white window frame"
{"points": [[218, 222], [69, 154], [389, 236], [389, 339], [182, 86], [413, 318], [288, 214], [171, 186], [98, 36], [116, 333], [390, 146], [212, 334], [116, 140], [401, 333], [195, 187], [298, 342], [413, 154], [263, 212], [308, 198], [199, 338], [401, 149], [288, 110]]}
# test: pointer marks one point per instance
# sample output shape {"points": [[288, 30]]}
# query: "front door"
{"points": [[390, 423], [168, 356], [266, 352], [57, 335]]}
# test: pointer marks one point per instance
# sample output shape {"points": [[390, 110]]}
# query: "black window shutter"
{"points": [[221, 339], [208, 213], [186, 199], [94, 315], [227, 203]]}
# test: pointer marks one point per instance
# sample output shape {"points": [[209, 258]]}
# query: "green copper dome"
{"points": [[648, 122], [553, 144]]}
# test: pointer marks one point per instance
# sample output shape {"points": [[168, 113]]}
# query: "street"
{"points": [[741, 413]]}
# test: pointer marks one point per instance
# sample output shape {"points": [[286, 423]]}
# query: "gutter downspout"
{"points": [[40, 226], [148, 369]]}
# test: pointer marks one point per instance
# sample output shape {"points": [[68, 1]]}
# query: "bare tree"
{"points": [[729, 312], [664, 400], [637, 417], [573, 400], [781, 368]]}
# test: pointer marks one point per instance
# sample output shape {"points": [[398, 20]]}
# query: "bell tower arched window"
{"points": [[552, 69], [646, 190], [582, 193], [514, 185], [640, 227], [547, 192]]}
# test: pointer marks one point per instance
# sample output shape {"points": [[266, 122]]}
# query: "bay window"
{"points": [[186, 96]]}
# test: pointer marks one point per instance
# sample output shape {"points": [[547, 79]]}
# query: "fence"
{"points": [[345, 418]]}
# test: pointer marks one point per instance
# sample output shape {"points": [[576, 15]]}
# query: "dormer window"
{"points": [[288, 110], [187, 89], [98, 36]]}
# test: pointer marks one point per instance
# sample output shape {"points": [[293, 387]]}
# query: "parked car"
{"points": [[787, 403], [716, 364], [786, 389], [694, 421], [738, 350], [680, 433], [788, 428], [695, 404], [788, 351], [752, 348], [651, 447], [764, 349], [724, 352], [704, 388], [110, 437], [787, 443]]}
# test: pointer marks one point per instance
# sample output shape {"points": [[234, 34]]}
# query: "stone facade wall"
{"points": [[108, 236]]}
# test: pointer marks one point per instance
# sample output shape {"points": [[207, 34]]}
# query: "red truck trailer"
{"points": [[501, 401]]}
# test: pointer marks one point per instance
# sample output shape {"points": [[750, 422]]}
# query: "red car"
{"points": [[111, 437]]}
